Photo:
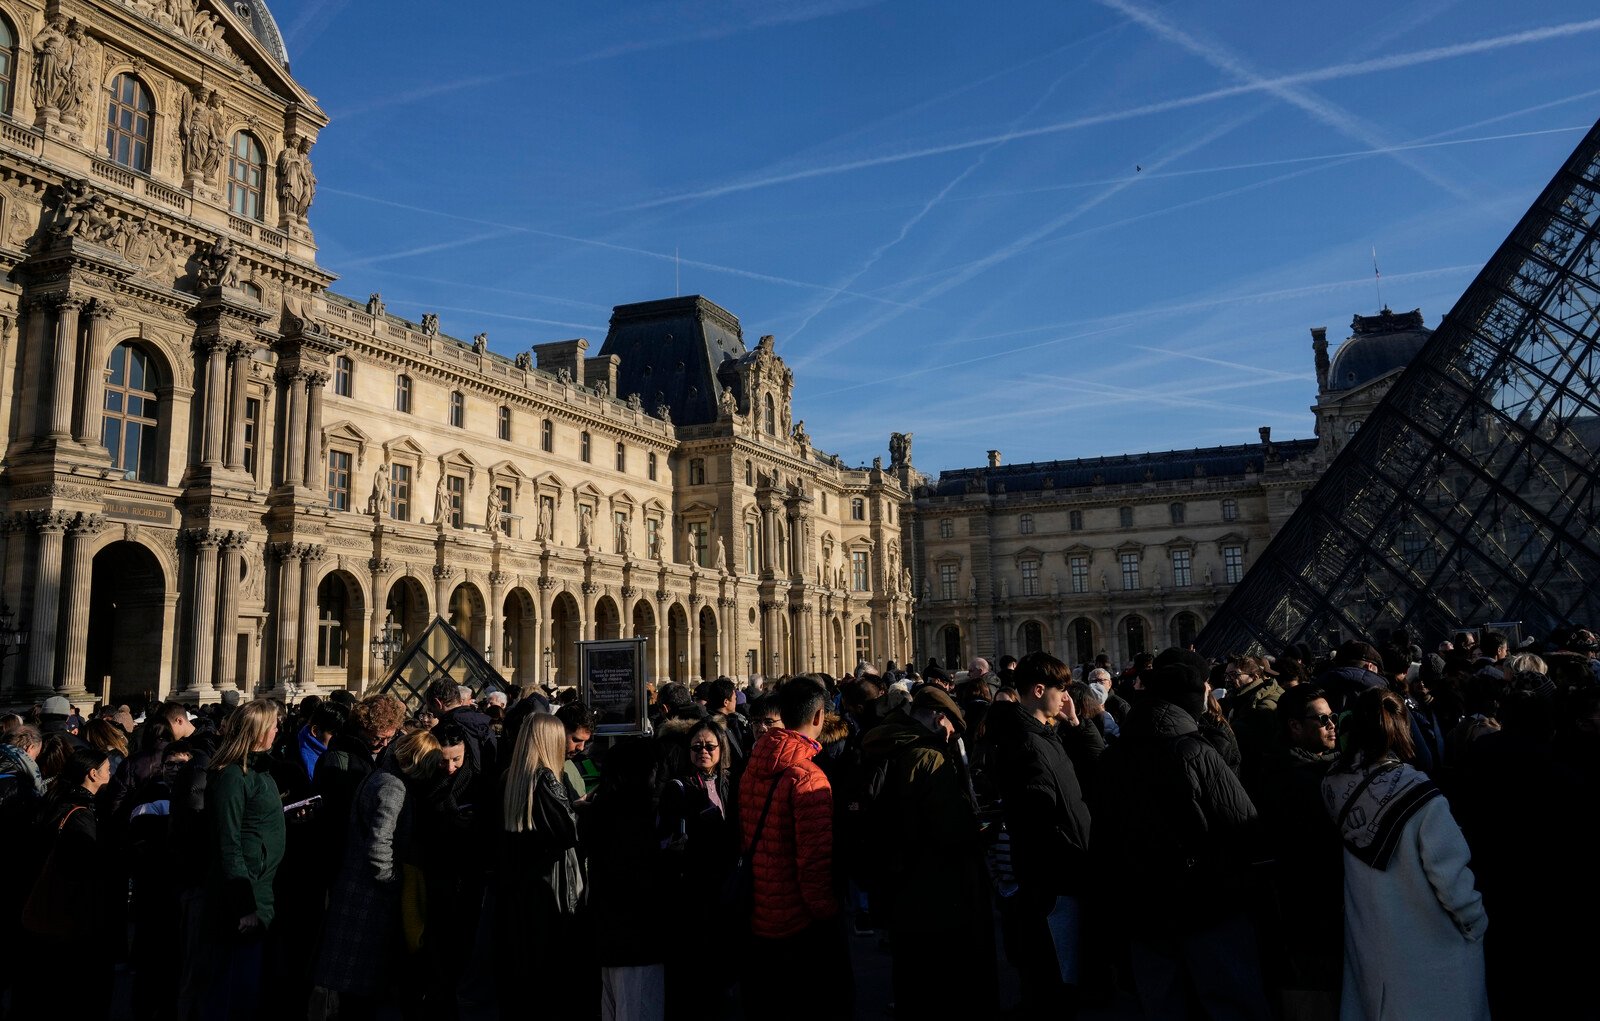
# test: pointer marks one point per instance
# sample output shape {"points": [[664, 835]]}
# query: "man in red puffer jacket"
{"points": [[796, 915]]}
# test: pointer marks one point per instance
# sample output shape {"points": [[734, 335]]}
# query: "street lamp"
{"points": [[775, 658], [549, 654], [12, 637], [385, 645]]}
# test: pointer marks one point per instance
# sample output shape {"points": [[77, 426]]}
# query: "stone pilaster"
{"points": [[65, 370], [51, 526], [79, 572], [306, 651], [288, 623], [497, 617], [239, 358], [93, 377], [233, 545], [202, 610], [294, 456], [316, 479]]}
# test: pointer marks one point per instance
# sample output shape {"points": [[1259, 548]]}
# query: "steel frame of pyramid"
{"points": [[439, 651], [1469, 494]]}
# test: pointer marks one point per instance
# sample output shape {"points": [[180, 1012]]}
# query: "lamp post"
{"points": [[385, 645], [775, 659], [12, 638], [549, 655]]}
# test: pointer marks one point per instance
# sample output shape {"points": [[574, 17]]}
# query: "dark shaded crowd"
{"points": [[1260, 837]]}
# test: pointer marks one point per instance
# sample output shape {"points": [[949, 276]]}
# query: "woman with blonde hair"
{"points": [[246, 836], [363, 946], [540, 882]]}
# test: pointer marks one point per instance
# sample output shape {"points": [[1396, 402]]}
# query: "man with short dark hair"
{"points": [[1038, 745], [786, 817], [580, 722], [764, 716], [1357, 666]]}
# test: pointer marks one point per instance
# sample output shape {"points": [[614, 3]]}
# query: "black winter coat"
{"points": [[628, 870], [1169, 811], [1041, 796]]}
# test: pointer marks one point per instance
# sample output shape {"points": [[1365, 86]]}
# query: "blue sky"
{"points": [[937, 207]]}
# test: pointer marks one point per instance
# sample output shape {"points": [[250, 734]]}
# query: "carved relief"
{"points": [[203, 134], [64, 63], [184, 18]]}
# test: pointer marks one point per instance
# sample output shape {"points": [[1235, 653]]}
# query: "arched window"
{"points": [[1032, 637], [131, 416], [128, 117], [247, 177], [330, 622], [8, 66], [771, 418], [863, 642]]}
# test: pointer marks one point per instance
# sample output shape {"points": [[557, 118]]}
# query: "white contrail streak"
{"points": [[1334, 72]]}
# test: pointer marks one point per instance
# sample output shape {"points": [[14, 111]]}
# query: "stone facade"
{"points": [[218, 475], [1131, 553]]}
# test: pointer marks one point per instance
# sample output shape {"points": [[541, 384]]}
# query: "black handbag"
{"points": [[741, 889]]}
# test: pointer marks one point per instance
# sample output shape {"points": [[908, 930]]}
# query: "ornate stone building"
{"points": [[219, 475], [1131, 553]]}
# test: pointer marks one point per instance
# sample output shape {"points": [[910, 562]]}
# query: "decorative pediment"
{"points": [[404, 447], [348, 433], [1078, 549], [655, 508], [699, 507], [587, 490], [508, 470], [622, 500], [1232, 539], [1130, 547], [1179, 542]]}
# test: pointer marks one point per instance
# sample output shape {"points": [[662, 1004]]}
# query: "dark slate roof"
{"points": [[671, 352], [1122, 469], [1377, 346]]}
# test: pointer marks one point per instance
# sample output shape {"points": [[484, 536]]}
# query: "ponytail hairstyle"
{"points": [[243, 732], [1378, 728]]}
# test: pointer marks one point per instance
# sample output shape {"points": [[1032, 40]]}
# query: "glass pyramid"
{"points": [[440, 651], [1469, 495]]}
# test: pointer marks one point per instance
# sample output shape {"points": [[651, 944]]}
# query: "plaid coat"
{"points": [[362, 940]]}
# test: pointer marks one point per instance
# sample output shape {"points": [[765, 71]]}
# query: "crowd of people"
{"points": [[1257, 837]]}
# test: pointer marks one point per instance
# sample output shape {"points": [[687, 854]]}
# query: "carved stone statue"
{"points": [[972, 589], [899, 450], [603, 387], [63, 74], [375, 304], [83, 214], [635, 402], [380, 479], [297, 184], [800, 434], [727, 403], [722, 555], [585, 525], [218, 265], [441, 503], [905, 580], [430, 324], [480, 343], [524, 361], [564, 374], [201, 130], [545, 522], [491, 515]]}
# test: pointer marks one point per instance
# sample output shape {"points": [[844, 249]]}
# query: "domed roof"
{"points": [[1377, 346], [259, 20]]}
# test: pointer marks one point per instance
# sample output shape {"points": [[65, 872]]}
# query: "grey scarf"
{"points": [[1371, 806]]}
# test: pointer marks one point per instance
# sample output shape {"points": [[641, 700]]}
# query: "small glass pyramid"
{"points": [[440, 651]]}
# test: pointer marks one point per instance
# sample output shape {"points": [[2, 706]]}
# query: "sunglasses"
{"points": [[705, 747], [1323, 719]]}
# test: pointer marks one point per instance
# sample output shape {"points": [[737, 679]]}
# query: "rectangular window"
{"points": [[505, 509], [458, 409], [1130, 571], [1025, 524], [583, 446], [619, 532], [1176, 512], [402, 394], [699, 542], [456, 488], [650, 466], [400, 492], [1181, 573], [824, 503], [505, 424], [947, 528], [652, 537], [859, 576], [339, 480], [622, 457], [341, 376], [1030, 577], [1230, 510], [1075, 520], [1079, 569], [1232, 564], [858, 509], [947, 581], [749, 547], [697, 471], [547, 436], [1125, 516], [252, 428]]}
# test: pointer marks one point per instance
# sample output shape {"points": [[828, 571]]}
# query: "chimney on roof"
{"points": [[562, 354], [994, 458], [1266, 441]]}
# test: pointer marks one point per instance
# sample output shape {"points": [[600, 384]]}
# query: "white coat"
{"points": [[1413, 933]]}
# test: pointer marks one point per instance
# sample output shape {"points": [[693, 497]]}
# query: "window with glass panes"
{"points": [[455, 487], [1181, 573], [697, 471], [583, 446], [458, 409], [503, 430], [948, 576], [859, 572], [1075, 520], [1175, 512], [339, 480], [699, 542], [505, 508], [858, 509], [1025, 524], [622, 457], [1130, 570], [8, 66], [749, 474], [252, 426], [1078, 573], [863, 642], [128, 117], [650, 467], [402, 393], [1125, 517], [330, 622], [749, 547], [129, 421], [1230, 509], [1232, 564], [947, 528], [342, 370], [400, 492], [652, 536], [547, 436], [247, 175], [1030, 577]]}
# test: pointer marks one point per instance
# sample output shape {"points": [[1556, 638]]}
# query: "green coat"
{"points": [[245, 819]]}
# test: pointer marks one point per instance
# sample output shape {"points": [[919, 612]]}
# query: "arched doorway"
{"points": [[710, 659], [677, 643], [1184, 627], [1135, 635], [562, 655], [407, 608], [863, 642], [127, 593], [1030, 637], [519, 637], [341, 631], [1083, 640], [950, 646], [836, 648], [607, 620], [468, 615]]}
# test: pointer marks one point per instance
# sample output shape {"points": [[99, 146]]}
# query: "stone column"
{"points": [[663, 641], [227, 658], [66, 368], [239, 358], [769, 557], [306, 651], [691, 662], [497, 619], [376, 669], [442, 590], [215, 356], [35, 352], [79, 572], [591, 593], [288, 555], [203, 609], [294, 433], [546, 596], [51, 525], [93, 375], [316, 478]]}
